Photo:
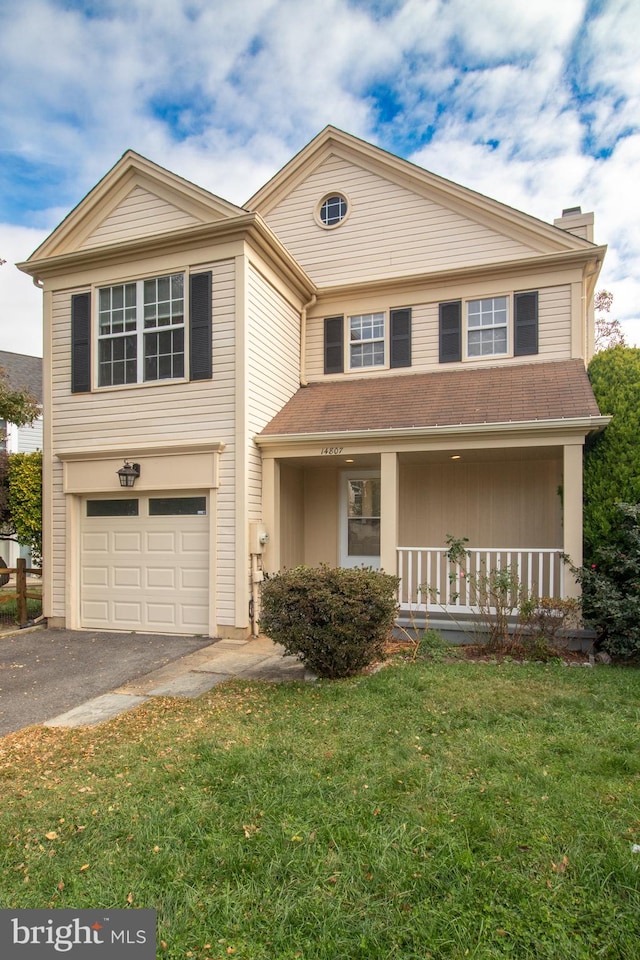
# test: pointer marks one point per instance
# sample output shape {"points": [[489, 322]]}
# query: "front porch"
{"points": [[519, 506]]}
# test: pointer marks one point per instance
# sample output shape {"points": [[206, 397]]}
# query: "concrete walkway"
{"points": [[190, 676], [68, 678]]}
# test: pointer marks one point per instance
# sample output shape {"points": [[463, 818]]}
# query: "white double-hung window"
{"points": [[141, 331], [487, 325], [366, 340]]}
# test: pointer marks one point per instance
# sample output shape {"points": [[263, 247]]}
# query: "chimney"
{"points": [[573, 220]]}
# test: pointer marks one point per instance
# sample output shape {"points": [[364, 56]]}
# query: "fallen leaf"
{"points": [[130, 898], [52, 835], [61, 885], [84, 867]]}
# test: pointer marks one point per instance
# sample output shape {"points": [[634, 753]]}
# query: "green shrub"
{"points": [[611, 586], [335, 620]]}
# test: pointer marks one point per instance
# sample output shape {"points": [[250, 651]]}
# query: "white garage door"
{"points": [[145, 564]]}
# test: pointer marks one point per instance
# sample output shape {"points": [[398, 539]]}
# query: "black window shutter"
{"points": [[333, 344], [525, 323], [400, 337], [200, 367], [81, 343], [451, 332]]}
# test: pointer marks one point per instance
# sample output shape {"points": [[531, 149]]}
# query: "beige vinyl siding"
{"points": [[554, 330], [162, 413], [273, 364], [292, 527], [502, 504], [140, 214], [554, 323], [390, 231]]}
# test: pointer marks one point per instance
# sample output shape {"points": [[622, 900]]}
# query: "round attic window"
{"points": [[332, 210]]}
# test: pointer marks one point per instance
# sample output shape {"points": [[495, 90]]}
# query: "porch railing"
{"points": [[430, 582]]}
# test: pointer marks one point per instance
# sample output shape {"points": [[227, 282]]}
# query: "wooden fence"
{"points": [[21, 590]]}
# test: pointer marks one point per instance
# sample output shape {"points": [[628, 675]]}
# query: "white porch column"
{"points": [[572, 514], [271, 512], [389, 490]]}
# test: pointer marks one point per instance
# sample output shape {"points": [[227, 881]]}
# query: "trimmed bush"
{"points": [[336, 620]]}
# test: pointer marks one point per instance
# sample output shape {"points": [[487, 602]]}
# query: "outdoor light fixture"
{"points": [[128, 474]]}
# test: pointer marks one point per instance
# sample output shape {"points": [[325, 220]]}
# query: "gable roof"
{"points": [[331, 141], [23, 372], [131, 178], [516, 393]]}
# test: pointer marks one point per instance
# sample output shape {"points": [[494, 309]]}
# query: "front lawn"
{"points": [[427, 811]]}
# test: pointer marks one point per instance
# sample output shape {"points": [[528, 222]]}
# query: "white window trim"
{"points": [[323, 199], [482, 358], [140, 331], [385, 340]]}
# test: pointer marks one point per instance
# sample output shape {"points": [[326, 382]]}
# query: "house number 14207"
{"points": [[331, 451]]}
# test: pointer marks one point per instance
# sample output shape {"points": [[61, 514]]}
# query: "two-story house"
{"points": [[362, 360]]}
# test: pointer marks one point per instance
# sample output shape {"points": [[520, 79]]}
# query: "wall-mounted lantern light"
{"points": [[128, 474]]}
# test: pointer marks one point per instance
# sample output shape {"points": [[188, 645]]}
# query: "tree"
{"points": [[24, 500], [609, 332], [19, 407], [612, 458], [16, 406]]}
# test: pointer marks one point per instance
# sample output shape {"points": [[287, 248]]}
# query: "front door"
{"points": [[360, 519]]}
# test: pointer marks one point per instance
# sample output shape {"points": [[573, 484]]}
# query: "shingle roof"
{"points": [[23, 372], [510, 393]]}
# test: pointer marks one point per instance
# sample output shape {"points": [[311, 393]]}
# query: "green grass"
{"points": [[432, 810]]}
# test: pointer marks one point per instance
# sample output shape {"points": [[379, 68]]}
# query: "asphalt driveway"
{"points": [[45, 672]]}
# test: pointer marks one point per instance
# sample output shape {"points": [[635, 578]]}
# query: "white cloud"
{"points": [[224, 93], [20, 300]]}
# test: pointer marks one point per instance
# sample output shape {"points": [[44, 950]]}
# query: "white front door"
{"points": [[360, 519]]}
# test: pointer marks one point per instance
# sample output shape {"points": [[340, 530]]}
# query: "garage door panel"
{"points": [[95, 613], [95, 542], [194, 616], [95, 576], [127, 577], [162, 577], [161, 542], [193, 578], [125, 613], [145, 572], [126, 541], [194, 542], [161, 613]]}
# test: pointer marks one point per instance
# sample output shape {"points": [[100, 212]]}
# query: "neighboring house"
{"points": [[361, 361], [22, 373]]}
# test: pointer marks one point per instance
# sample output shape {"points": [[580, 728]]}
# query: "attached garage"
{"points": [[144, 563]]}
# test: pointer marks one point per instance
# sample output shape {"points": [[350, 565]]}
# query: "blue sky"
{"points": [[534, 104]]}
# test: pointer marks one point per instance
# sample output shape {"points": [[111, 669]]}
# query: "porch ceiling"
{"points": [[509, 394]]}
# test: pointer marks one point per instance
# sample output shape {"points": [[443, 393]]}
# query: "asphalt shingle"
{"points": [[516, 392]]}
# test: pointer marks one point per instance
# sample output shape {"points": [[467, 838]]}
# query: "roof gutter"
{"points": [[580, 425]]}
